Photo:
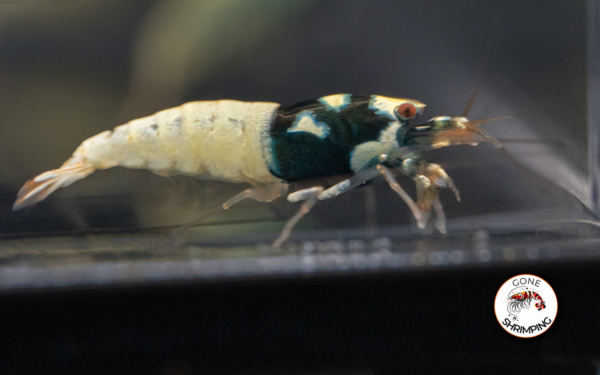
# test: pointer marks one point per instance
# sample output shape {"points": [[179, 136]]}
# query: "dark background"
{"points": [[390, 323]]}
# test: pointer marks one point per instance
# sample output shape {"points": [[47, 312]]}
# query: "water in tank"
{"points": [[72, 69]]}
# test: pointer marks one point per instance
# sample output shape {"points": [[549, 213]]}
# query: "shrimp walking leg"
{"points": [[260, 193], [355, 181], [429, 178], [391, 179], [311, 195]]}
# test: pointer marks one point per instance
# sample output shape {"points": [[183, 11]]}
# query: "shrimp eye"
{"points": [[406, 111]]}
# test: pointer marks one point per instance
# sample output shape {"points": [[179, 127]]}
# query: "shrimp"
{"points": [[268, 146]]}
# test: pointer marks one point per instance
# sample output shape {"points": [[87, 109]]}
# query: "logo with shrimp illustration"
{"points": [[520, 298], [526, 306]]}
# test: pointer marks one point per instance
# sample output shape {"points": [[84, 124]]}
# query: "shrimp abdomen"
{"points": [[224, 140]]}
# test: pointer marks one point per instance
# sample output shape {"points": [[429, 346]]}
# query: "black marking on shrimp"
{"points": [[154, 126], [235, 121], [294, 153]]}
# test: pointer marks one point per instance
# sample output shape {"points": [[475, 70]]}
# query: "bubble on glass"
{"points": [[344, 263], [443, 257], [418, 259], [386, 256], [457, 256], [319, 246], [481, 242], [532, 253], [334, 246], [196, 265], [433, 258], [332, 261], [398, 260], [381, 242], [232, 267], [484, 255], [289, 264], [509, 254], [356, 245], [266, 264], [308, 263], [308, 247], [359, 260], [375, 260]]}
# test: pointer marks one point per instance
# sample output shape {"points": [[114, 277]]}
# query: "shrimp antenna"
{"points": [[486, 58], [473, 97], [552, 142], [486, 120]]}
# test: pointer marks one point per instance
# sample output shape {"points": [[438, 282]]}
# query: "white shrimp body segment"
{"points": [[228, 140], [224, 140]]}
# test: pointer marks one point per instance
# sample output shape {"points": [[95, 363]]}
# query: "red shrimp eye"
{"points": [[406, 111]]}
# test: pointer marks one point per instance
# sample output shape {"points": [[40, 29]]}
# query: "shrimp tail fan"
{"points": [[44, 184]]}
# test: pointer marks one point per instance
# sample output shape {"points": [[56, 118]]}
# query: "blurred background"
{"points": [[92, 274], [71, 69]]}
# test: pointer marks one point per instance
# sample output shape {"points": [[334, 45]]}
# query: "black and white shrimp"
{"points": [[268, 146]]}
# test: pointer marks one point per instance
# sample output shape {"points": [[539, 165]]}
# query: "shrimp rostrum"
{"points": [[267, 146]]}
